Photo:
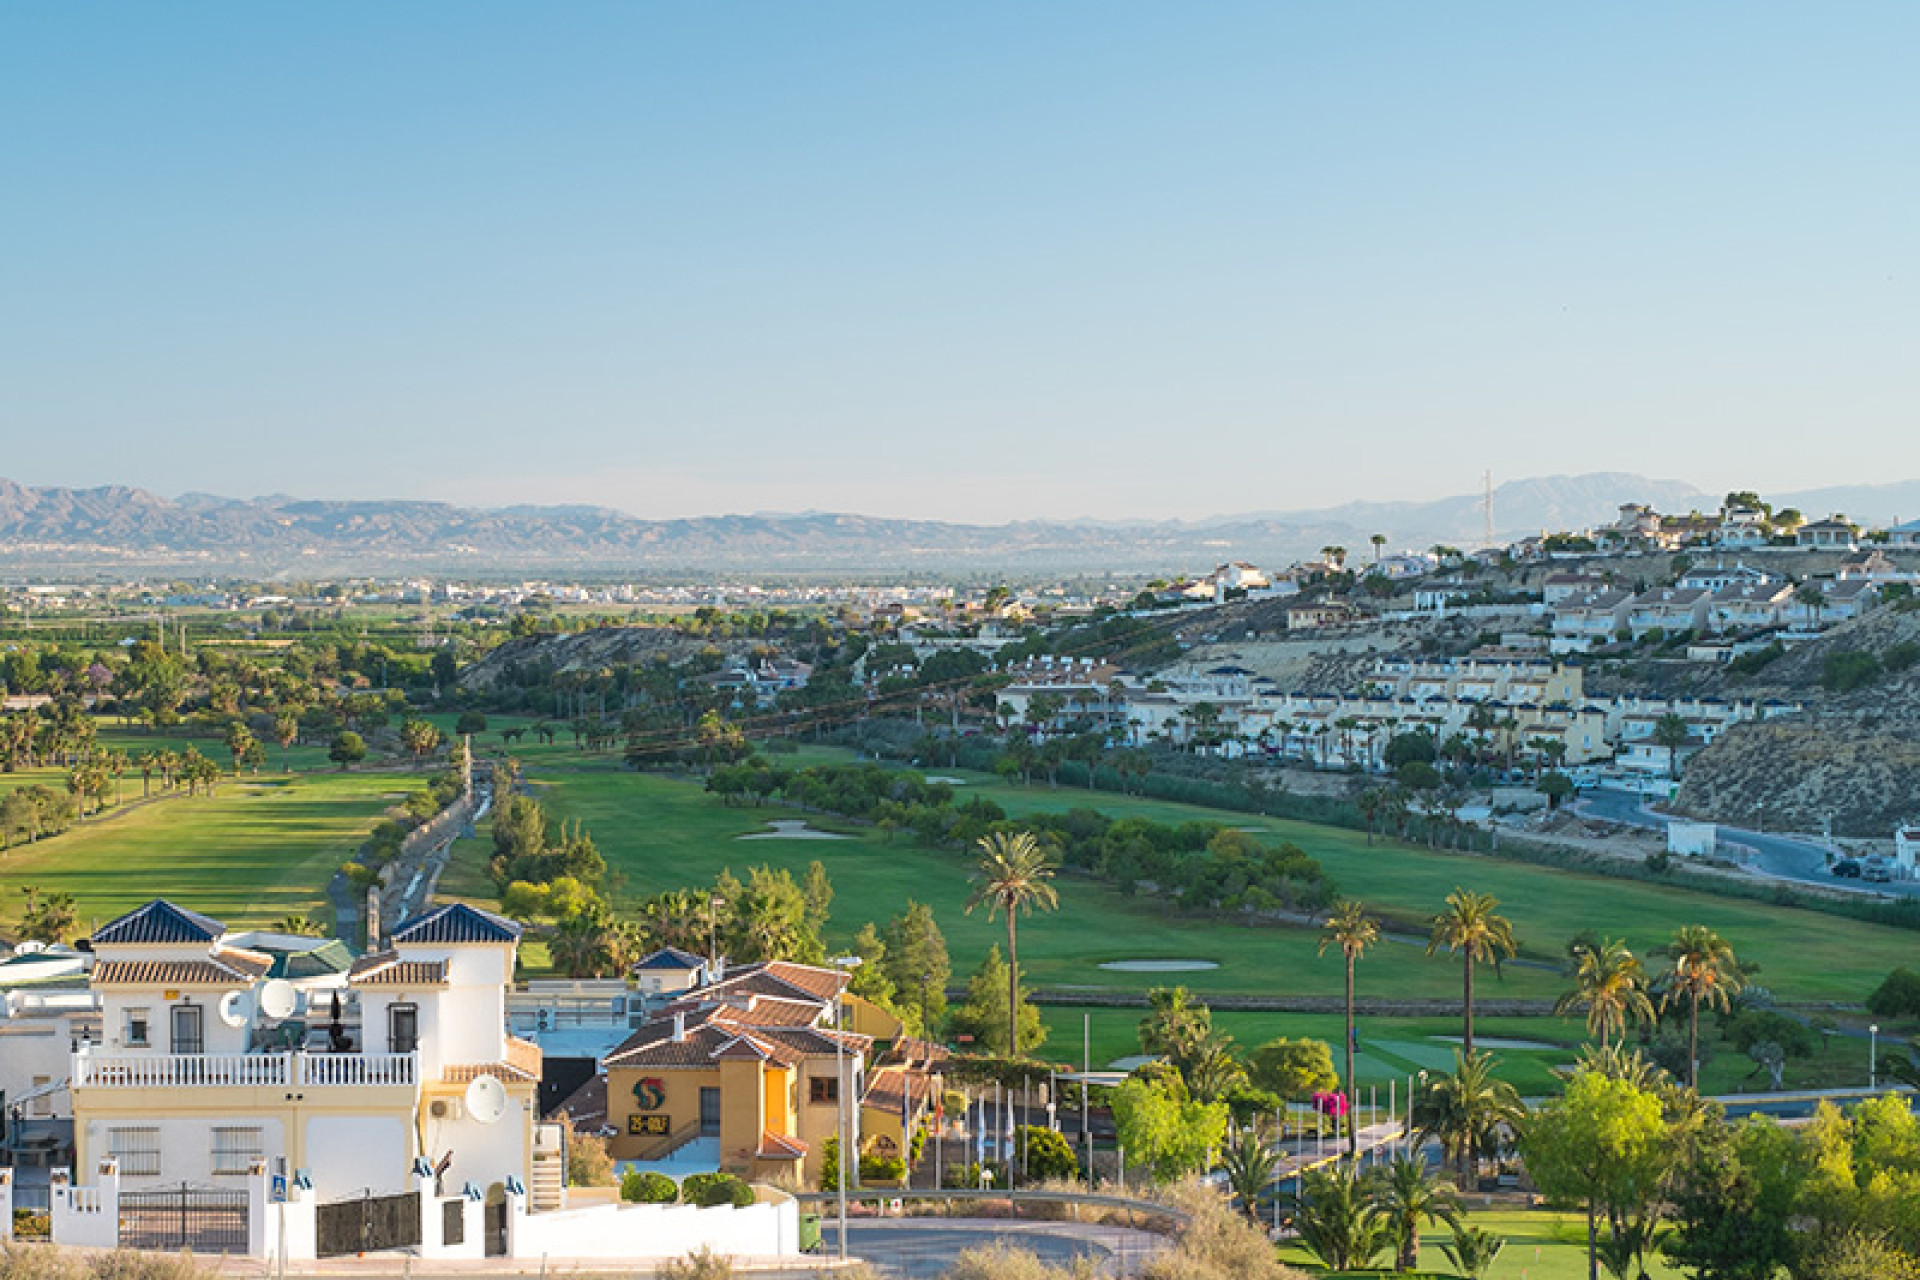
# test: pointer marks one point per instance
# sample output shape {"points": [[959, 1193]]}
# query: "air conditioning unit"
{"points": [[444, 1109]]}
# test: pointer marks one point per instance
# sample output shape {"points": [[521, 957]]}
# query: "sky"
{"points": [[978, 261]]}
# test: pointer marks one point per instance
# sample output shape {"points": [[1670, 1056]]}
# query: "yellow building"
{"points": [[751, 1069]]}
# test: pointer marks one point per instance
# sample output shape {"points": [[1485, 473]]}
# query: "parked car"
{"points": [[1847, 868]]}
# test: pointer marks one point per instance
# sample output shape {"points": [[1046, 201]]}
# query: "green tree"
{"points": [[1473, 1251], [1176, 1024], [1406, 1192], [1251, 1161], [1163, 1128], [1471, 929], [1556, 787], [1467, 1111], [1041, 1155], [1013, 874], [1671, 731], [1896, 997], [420, 738], [1703, 971], [985, 1015], [348, 749], [1349, 928], [1293, 1069], [1605, 1145], [1611, 986], [1732, 1201], [916, 960], [1336, 1221]]}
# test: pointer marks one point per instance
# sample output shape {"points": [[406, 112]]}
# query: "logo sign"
{"points": [[277, 1189], [650, 1094], [648, 1126]]}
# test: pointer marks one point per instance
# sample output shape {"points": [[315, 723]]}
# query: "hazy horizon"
{"points": [[1083, 261]]}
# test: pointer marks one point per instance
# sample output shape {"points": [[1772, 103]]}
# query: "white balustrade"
{"points": [[252, 1070]]}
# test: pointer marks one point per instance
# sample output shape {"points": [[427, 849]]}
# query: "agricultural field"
{"points": [[258, 849]]}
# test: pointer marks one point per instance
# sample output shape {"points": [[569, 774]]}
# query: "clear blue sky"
{"points": [[972, 261]]}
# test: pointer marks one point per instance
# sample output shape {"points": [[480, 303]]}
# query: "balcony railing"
{"points": [[249, 1070]]}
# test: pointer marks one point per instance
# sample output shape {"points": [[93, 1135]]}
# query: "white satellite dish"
{"points": [[486, 1099], [236, 1008], [278, 998]]}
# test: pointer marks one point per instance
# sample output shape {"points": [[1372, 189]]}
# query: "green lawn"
{"points": [[1540, 1246], [258, 849]]}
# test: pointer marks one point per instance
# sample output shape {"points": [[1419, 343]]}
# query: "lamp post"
{"points": [[844, 964], [714, 903], [1873, 1057]]}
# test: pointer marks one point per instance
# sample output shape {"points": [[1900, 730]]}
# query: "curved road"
{"points": [[1782, 857]]}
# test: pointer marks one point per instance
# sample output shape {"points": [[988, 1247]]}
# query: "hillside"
{"points": [[1852, 756]]}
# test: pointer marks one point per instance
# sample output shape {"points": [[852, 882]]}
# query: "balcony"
{"points": [[245, 1070]]}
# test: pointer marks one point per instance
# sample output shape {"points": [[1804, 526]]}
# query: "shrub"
{"points": [[649, 1187], [712, 1189], [1043, 1154], [701, 1264], [1901, 656], [1003, 1261], [1849, 669], [588, 1164], [1897, 997]]}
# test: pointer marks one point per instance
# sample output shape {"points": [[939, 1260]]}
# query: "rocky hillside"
{"points": [[587, 651], [1852, 756]]}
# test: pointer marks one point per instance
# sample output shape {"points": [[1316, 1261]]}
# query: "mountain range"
{"points": [[122, 529]]}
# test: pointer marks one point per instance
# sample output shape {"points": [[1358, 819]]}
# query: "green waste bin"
{"points": [[809, 1232]]}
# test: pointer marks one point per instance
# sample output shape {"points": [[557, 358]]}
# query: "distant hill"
{"points": [[121, 528]]}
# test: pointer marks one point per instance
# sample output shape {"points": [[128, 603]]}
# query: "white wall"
{"points": [[351, 1154], [659, 1231], [186, 1146], [483, 1154]]}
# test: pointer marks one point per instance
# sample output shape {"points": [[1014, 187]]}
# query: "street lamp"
{"points": [[845, 964], [1873, 1057], [714, 904]]}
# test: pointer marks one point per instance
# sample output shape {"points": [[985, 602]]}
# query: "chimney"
{"points": [[679, 1028]]}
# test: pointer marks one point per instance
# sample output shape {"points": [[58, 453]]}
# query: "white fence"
{"points": [[242, 1070]]}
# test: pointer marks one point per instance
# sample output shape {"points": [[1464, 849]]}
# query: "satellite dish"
{"points": [[236, 1008], [278, 999], [486, 1099]]}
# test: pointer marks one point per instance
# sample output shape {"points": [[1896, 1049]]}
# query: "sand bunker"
{"points": [[792, 829], [1158, 966], [952, 782], [1496, 1042]]}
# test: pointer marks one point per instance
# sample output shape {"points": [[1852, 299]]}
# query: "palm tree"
{"points": [[1405, 1192], [1670, 731], [1379, 541], [1336, 1223], [1349, 928], [1250, 1163], [1703, 969], [1469, 928], [1473, 1250], [1013, 875], [1465, 1112], [1611, 985]]}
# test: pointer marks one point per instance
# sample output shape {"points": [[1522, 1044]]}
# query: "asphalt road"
{"points": [[1783, 857], [918, 1249]]}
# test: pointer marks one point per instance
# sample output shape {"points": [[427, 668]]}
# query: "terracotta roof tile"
{"points": [[231, 969]]}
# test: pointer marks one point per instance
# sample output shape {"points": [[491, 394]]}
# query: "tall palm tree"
{"points": [[1611, 986], [1471, 929], [1465, 1112], [1704, 970], [1349, 928], [1337, 1224], [1403, 1193], [1013, 874]]}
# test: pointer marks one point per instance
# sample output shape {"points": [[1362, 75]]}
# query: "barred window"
{"points": [[235, 1149], [137, 1150]]}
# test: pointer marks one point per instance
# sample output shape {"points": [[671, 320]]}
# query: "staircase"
{"points": [[549, 1188]]}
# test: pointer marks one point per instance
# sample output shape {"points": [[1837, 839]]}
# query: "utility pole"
{"points": [[1486, 508]]}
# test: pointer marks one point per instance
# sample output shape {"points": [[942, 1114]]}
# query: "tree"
{"points": [[1474, 1250], [1703, 970], [1250, 1161], [1163, 1128], [1042, 1154], [985, 1015], [1292, 1069], [1896, 997], [1336, 1221], [1556, 787], [1605, 1145], [1611, 985], [917, 961], [1732, 1199], [240, 743], [1471, 929], [420, 738], [349, 748], [1670, 731], [470, 723], [1013, 874], [816, 890], [1349, 928], [1404, 1193], [50, 919], [1176, 1024], [1466, 1112]]}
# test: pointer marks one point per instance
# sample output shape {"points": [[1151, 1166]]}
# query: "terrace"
{"points": [[244, 1070]]}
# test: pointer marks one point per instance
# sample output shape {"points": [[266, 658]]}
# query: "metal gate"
{"points": [[184, 1217], [367, 1225], [496, 1230]]}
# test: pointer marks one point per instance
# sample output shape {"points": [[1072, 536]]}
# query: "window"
{"points": [[133, 1032], [709, 1111], [235, 1149], [187, 1037], [137, 1150], [403, 1028], [43, 1096], [824, 1089]]}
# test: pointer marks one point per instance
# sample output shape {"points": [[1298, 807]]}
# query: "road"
{"points": [[1782, 857], [920, 1248]]}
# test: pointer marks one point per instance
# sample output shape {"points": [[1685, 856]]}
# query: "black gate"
{"points": [[368, 1225], [184, 1218], [453, 1221], [496, 1221]]}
